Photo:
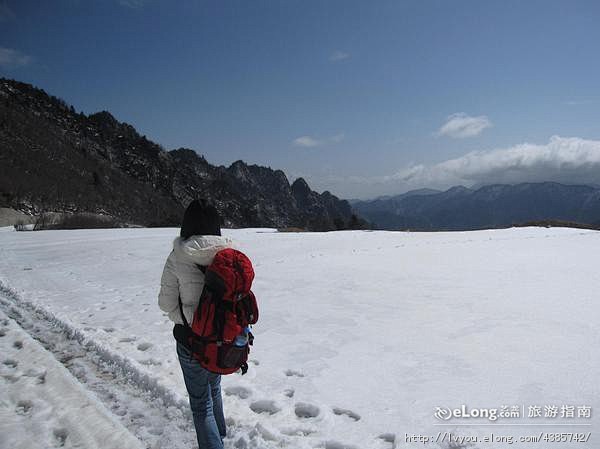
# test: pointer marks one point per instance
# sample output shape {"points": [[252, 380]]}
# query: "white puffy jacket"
{"points": [[181, 276]]}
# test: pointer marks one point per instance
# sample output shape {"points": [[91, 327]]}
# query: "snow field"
{"points": [[361, 334]]}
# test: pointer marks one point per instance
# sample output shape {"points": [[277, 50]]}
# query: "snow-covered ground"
{"points": [[37, 405], [361, 335]]}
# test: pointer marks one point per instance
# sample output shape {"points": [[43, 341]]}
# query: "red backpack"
{"points": [[219, 336]]}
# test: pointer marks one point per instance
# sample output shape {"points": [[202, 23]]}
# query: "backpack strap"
{"points": [[185, 323]]}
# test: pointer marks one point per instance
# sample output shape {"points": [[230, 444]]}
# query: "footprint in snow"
{"points": [[23, 407], [120, 411], [262, 431], [108, 329], [264, 406], [240, 392], [297, 431], [2, 332], [293, 373], [18, 344], [127, 340], [39, 375], [60, 436], [345, 412], [10, 378], [305, 410], [241, 443], [151, 362], [144, 346], [11, 363], [289, 392], [388, 438], [332, 444], [66, 358]]}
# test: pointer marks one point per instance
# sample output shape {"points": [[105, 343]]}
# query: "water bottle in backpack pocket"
{"points": [[242, 338], [235, 354]]}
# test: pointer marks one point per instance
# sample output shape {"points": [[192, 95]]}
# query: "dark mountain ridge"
{"points": [[55, 159], [491, 206]]}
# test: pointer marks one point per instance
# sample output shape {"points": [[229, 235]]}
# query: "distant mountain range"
{"points": [[55, 159], [492, 206]]}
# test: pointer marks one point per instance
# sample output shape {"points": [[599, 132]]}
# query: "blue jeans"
{"points": [[204, 389]]}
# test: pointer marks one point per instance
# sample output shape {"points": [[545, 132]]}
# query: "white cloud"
{"points": [[306, 142], [562, 159], [12, 59], [568, 160], [311, 142], [577, 102], [338, 56], [461, 125]]}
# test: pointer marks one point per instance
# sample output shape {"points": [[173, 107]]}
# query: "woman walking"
{"points": [[182, 280]]}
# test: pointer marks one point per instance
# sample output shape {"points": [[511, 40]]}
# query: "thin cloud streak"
{"points": [[13, 59], [578, 102], [311, 142], [306, 142], [461, 126], [338, 55]]}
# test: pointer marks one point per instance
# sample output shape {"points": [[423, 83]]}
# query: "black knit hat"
{"points": [[200, 218]]}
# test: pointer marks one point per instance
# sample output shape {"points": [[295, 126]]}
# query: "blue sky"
{"points": [[362, 98]]}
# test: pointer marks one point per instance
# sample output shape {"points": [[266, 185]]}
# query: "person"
{"points": [[200, 239]]}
